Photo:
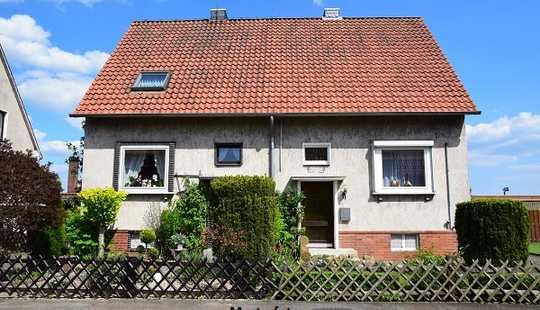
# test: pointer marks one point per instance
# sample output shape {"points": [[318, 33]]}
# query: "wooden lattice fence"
{"points": [[132, 277], [450, 280]]}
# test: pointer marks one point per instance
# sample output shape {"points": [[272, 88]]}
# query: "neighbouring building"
{"points": [[364, 115], [15, 125]]}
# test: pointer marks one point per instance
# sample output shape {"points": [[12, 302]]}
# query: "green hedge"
{"points": [[49, 242], [243, 208], [493, 229]]}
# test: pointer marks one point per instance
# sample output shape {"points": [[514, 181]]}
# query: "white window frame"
{"points": [[326, 145], [137, 87], [393, 145], [144, 190], [403, 248]]}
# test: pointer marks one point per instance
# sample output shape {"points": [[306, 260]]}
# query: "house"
{"points": [[364, 115], [15, 125]]}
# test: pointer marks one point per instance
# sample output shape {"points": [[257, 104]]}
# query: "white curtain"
{"points": [[133, 161], [403, 168]]}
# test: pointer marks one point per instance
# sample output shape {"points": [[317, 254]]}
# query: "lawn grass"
{"points": [[534, 248]]}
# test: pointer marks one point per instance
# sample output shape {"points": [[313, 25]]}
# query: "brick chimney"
{"points": [[73, 175]]}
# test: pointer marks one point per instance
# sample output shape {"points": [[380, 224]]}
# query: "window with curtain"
{"points": [[144, 168], [403, 168]]}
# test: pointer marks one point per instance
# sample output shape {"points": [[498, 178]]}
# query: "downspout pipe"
{"points": [[271, 148], [448, 198]]}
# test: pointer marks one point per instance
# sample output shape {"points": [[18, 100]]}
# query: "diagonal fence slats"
{"points": [[449, 280]]}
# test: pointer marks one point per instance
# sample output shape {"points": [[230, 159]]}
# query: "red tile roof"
{"points": [[279, 66]]}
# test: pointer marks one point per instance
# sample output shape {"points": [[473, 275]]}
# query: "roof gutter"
{"points": [[275, 114]]}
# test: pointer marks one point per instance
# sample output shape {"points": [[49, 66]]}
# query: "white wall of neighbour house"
{"points": [[350, 138], [15, 128]]}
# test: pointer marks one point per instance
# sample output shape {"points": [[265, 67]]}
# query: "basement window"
{"points": [[151, 81], [404, 242], [228, 154], [402, 167], [316, 154]]}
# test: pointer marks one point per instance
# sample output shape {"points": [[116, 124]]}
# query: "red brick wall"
{"points": [[120, 240], [377, 244]]}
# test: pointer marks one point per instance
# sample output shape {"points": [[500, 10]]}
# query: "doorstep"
{"points": [[333, 252]]}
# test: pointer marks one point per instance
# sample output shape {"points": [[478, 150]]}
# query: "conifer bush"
{"points": [[247, 205], [492, 229]]}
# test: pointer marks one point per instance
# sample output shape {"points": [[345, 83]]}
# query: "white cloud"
{"points": [[59, 91], [52, 147], [487, 159], [527, 168], [27, 43], [505, 128], [88, 3], [40, 135], [75, 122], [53, 77], [318, 2]]}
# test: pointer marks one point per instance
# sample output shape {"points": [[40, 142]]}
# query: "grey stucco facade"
{"points": [[350, 167]]}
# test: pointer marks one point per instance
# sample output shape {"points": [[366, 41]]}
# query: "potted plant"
{"points": [[178, 240]]}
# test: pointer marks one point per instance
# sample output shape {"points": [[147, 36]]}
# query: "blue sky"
{"points": [[56, 47]]}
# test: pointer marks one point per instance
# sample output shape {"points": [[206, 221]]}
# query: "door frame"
{"points": [[335, 225]]}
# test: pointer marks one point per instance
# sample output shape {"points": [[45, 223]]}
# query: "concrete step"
{"points": [[333, 252]]}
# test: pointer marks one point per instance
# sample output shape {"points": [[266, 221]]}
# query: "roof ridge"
{"points": [[142, 21]]}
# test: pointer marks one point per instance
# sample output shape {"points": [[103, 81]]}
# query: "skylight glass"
{"points": [[151, 81]]}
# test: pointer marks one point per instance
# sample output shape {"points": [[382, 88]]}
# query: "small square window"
{"points": [[144, 169], [316, 154], [228, 154], [404, 242], [151, 81]]}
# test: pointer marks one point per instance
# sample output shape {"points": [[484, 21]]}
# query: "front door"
{"points": [[318, 213]]}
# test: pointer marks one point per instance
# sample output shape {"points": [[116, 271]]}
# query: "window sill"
{"points": [[316, 164], [147, 192], [228, 165], [403, 192]]}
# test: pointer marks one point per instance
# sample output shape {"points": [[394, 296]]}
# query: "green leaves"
{"points": [[101, 205], [493, 229]]}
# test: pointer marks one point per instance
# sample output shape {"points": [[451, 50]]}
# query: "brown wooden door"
{"points": [[318, 213]]}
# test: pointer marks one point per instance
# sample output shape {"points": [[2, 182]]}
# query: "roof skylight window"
{"points": [[152, 81]]}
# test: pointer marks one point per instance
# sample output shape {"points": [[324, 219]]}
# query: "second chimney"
{"points": [[73, 175], [218, 14]]}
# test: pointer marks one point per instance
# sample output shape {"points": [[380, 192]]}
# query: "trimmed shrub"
{"points": [[247, 206], [492, 229], [49, 242], [100, 207], [147, 236]]}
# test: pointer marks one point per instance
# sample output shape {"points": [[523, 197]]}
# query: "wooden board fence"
{"points": [[534, 216]]}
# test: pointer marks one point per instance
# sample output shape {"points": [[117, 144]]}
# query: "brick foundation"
{"points": [[120, 240], [377, 244]]}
